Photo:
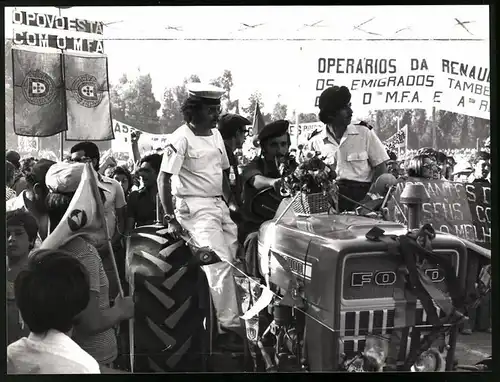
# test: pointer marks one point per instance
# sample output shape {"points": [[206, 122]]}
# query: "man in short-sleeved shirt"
{"points": [[359, 156], [114, 211], [194, 161]]}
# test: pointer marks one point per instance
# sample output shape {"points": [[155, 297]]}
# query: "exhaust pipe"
{"points": [[414, 195]]}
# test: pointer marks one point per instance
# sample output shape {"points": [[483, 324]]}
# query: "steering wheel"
{"points": [[265, 203]]}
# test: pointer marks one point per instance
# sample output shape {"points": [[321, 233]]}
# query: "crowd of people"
{"points": [[65, 313]]}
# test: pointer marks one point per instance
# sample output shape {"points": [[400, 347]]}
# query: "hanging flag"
{"points": [[38, 93], [233, 107], [83, 216], [258, 121], [87, 98]]}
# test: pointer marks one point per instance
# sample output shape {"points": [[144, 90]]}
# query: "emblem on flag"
{"points": [[77, 220], [86, 91], [38, 88]]}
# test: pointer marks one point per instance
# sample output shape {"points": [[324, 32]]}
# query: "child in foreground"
{"points": [[22, 230], [50, 293]]}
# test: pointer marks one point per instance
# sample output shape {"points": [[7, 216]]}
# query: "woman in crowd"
{"points": [[10, 172], [123, 176], [94, 330], [51, 292], [422, 166], [22, 231]]}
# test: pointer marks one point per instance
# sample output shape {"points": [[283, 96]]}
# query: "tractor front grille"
{"points": [[356, 325]]}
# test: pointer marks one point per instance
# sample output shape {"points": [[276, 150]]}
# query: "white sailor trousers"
{"points": [[208, 222]]}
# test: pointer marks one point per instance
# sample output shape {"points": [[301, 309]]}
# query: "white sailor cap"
{"points": [[208, 93]]}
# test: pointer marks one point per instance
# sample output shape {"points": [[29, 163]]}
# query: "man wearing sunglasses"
{"points": [[233, 128], [192, 171]]}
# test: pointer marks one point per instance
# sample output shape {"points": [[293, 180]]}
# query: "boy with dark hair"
{"points": [[22, 230], [50, 293], [94, 330], [32, 199]]}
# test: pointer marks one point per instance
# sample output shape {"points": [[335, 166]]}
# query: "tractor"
{"points": [[350, 292]]}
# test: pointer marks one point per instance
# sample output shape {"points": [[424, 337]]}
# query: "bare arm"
{"points": [[130, 225], [93, 320], [379, 170], [260, 182], [165, 192], [121, 216]]}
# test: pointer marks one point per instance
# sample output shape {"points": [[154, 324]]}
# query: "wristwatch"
{"points": [[168, 217]]}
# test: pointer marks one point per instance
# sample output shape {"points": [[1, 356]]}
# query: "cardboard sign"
{"points": [[460, 209]]}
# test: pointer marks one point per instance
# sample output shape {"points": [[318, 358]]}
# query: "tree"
{"points": [[173, 98], [308, 118], [254, 99], [133, 102], [224, 81], [279, 111]]}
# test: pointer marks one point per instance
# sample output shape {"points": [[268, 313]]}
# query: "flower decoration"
{"points": [[310, 177]]}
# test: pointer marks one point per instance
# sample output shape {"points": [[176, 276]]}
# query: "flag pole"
{"points": [[61, 136], [100, 208], [398, 132]]}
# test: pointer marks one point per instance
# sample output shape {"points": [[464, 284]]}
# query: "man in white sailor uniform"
{"points": [[192, 171], [358, 155]]}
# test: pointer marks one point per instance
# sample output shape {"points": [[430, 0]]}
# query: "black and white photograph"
{"points": [[248, 189]]}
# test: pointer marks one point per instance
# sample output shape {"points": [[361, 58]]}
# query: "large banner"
{"points": [[123, 140], [460, 209], [448, 75], [51, 31]]}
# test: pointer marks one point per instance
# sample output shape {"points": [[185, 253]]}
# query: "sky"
{"points": [[172, 43]]}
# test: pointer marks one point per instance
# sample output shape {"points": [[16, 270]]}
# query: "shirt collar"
{"points": [[50, 337], [328, 138]]}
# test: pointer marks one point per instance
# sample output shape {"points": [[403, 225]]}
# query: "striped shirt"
{"points": [[9, 193], [102, 346]]}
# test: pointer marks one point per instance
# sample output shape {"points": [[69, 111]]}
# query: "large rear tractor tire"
{"points": [[171, 304]]}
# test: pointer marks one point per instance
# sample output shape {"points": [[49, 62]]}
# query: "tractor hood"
{"points": [[338, 227]]}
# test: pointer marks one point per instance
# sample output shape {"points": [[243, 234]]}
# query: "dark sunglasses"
{"points": [[80, 160]]}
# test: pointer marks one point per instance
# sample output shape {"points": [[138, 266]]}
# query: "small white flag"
{"points": [[263, 301]]}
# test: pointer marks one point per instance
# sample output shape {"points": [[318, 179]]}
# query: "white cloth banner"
{"points": [[400, 75], [123, 141], [464, 79]]}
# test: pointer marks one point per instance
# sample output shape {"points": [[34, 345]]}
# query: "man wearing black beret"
{"points": [[263, 171], [357, 153], [232, 128]]}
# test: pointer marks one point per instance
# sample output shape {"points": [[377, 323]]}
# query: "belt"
{"points": [[199, 196], [354, 183]]}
